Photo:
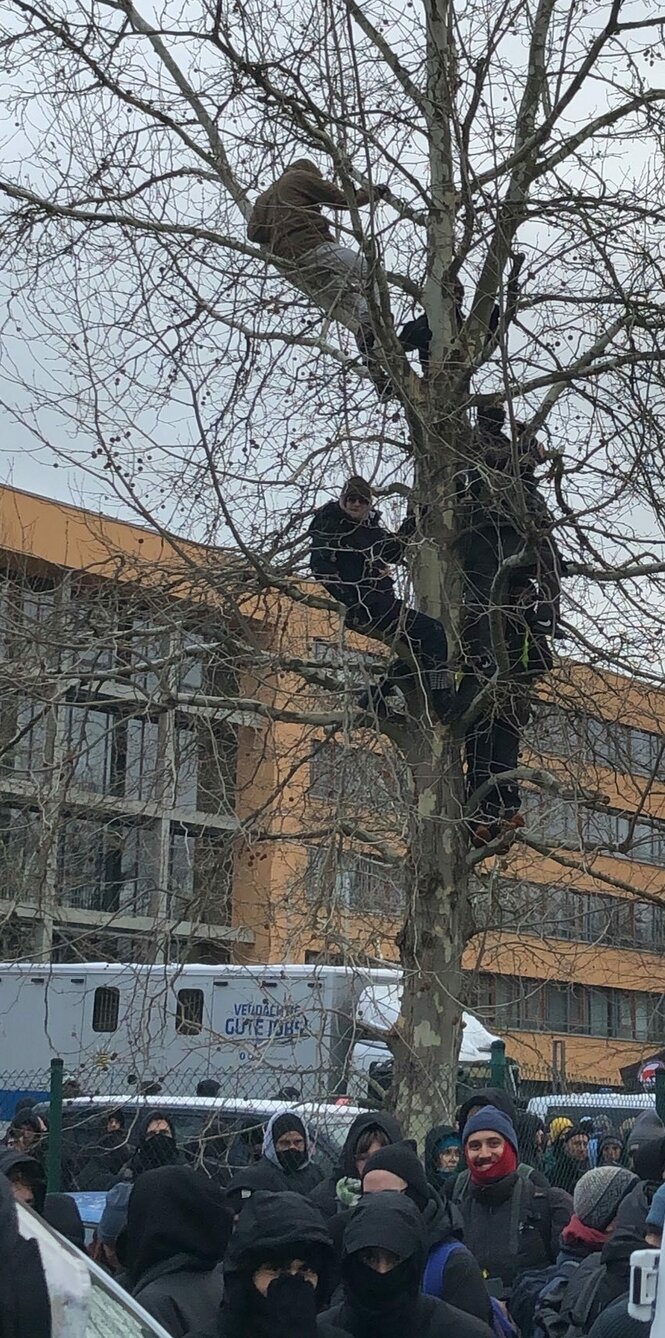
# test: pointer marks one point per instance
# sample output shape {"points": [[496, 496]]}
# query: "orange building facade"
{"points": [[183, 828]]}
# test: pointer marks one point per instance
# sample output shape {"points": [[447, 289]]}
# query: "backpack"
{"points": [[548, 1319], [579, 1312], [535, 1204], [433, 1278]]}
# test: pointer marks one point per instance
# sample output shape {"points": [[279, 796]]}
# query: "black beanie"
{"points": [[287, 1124], [402, 1160]]}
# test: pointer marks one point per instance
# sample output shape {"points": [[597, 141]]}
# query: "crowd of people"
{"points": [[506, 1227]]}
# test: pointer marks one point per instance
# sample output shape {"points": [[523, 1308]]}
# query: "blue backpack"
{"points": [[433, 1277]]}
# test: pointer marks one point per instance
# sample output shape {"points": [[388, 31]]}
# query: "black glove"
{"points": [[291, 1307]]}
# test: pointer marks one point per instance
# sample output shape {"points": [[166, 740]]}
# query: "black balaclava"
{"points": [[401, 1160], [292, 1160], [276, 1229], [384, 1301]]}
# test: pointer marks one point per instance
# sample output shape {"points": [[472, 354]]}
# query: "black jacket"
{"points": [[178, 1228], [506, 1234], [25, 1310], [391, 1221], [612, 1269], [265, 1174], [463, 1282], [349, 557], [325, 1194], [615, 1322]]}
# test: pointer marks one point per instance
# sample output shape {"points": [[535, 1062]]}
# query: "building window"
{"points": [[357, 883], [594, 741], [356, 776], [105, 1009], [521, 1004], [189, 1013], [200, 874], [576, 916]]}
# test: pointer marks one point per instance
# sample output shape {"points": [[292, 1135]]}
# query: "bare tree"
{"points": [[202, 378]]}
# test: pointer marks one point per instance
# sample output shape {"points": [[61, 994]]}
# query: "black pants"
{"points": [[422, 636], [492, 746]]}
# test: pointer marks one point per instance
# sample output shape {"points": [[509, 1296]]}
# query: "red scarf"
{"points": [[577, 1230], [486, 1175]]}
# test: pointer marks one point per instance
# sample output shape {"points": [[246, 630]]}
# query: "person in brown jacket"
{"points": [[287, 219]]}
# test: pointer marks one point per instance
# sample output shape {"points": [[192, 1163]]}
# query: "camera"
{"points": [[644, 1266]]}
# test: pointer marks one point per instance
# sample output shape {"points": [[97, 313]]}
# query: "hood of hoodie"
{"points": [[269, 1150], [271, 1223], [648, 1125], [443, 1220], [175, 1210], [372, 1119], [432, 1141], [387, 1221], [11, 1158], [486, 1096], [649, 1159], [622, 1242]]}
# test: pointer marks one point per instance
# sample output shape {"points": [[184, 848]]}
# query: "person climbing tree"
{"points": [[350, 555]]}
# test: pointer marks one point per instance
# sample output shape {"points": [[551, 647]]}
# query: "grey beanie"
{"points": [[598, 1194], [114, 1217]]}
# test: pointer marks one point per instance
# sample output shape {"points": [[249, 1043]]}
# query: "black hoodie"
{"points": [[460, 1281], [156, 1150], [436, 1177], [271, 1227], [31, 1169], [25, 1310], [325, 1194], [648, 1158], [178, 1228], [392, 1305], [486, 1096]]}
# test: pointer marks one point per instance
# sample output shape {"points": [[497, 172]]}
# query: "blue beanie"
{"points": [[491, 1118]]}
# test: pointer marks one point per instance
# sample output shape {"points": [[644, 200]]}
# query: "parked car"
{"points": [[236, 1126], [85, 1301]]}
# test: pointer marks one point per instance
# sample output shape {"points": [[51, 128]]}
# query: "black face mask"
{"points": [[158, 1150], [292, 1160], [381, 1292]]}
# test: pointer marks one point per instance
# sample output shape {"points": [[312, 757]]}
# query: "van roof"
{"points": [[540, 1105]]}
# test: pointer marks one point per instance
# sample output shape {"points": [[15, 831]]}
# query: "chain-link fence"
{"points": [[91, 1135]]}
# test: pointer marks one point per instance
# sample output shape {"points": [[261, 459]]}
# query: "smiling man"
{"points": [[512, 1218]]}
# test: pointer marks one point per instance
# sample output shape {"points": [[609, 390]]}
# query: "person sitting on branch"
{"points": [[350, 556]]}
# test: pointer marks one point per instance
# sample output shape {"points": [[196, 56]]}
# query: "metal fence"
{"points": [[92, 1133]]}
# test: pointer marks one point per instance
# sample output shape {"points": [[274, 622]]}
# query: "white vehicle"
{"points": [[229, 1119], [85, 1301], [257, 1029], [617, 1106]]}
